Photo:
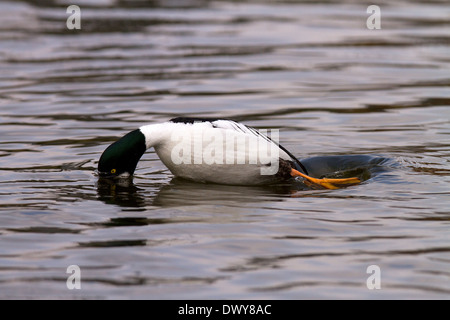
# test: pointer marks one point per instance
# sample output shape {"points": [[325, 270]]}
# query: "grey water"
{"points": [[347, 99]]}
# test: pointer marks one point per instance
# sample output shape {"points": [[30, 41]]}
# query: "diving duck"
{"points": [[211, 151]]}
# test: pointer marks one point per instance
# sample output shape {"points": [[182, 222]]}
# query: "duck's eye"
{"points": [[113, 171]]}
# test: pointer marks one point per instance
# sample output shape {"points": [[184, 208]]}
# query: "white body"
{"points": [[221, 151]]}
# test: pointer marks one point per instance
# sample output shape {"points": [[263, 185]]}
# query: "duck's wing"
{"points": [[223, 124]]}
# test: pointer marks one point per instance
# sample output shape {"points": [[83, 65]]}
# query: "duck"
{"points": [[210, 150]]}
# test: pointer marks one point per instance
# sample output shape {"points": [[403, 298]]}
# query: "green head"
{"points": [[122, 157]]}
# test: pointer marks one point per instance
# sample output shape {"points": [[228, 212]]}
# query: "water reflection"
{"points": [[180, 192], [121, 192]]}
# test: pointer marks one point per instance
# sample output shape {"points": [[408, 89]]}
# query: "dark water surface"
{"points": [[376, 100]]}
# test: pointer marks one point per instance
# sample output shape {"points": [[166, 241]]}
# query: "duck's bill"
{"points": [[325, 182]]}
